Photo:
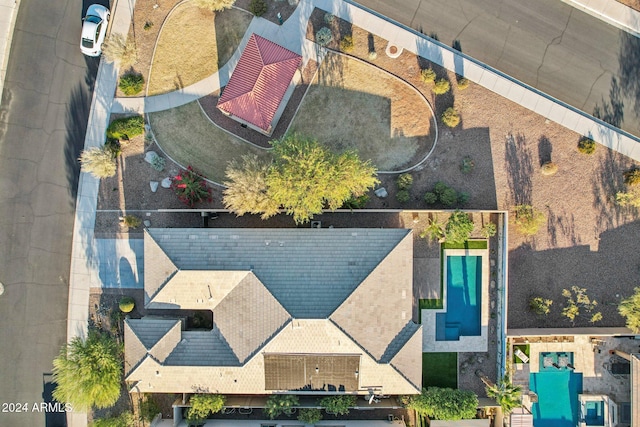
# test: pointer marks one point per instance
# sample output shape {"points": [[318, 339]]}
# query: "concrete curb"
{"points": [[612, 12], [8, 14]]}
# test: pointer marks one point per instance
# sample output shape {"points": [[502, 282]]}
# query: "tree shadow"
{"points": [[458, 61], [544, 150], [561, 226], [629, 63], [609, 180], [52, 418], [519, 166], [611, 110]]}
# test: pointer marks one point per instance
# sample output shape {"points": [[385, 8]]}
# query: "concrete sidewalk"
{"points": [[8, 13]]}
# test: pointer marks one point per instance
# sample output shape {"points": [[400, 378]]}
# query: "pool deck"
{"points": [[590, 356], [465, 343]]}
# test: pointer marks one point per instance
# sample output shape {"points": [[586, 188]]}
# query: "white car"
{"points": [[94, 28]]}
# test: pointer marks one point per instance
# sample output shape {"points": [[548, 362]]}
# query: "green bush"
{"points": [[203, 405], [147, 25], [113, 146], [403, 196], [310, 415], [338, 404], [430, 198], [126, 304], [449, 197], [123, 420], [540, 306], [428, 75], [549, 168], [158, 163], [126, 128], [450, 117], [467, 164], [149, 408], [132, 221], [279, 403], [404, 181], [459, 227], [528, 219], [258, 7], [441, 87], [329, 18], [629, 308], [190, 187], [131, 83], [463, 198], [586, 145], [463, 83], [630, 198], [444, 403], [99, 162], [489, 230], [346, 44], [324, 36], [356, 202], [632, 177]]}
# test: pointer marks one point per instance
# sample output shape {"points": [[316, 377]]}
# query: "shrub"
{"points": [[99, 162], [450, 117], [586, 145], [258, 7], [463, 83], [528, 219], [119, 49], [548, 169], [329, 18], [404, 181], [190, 187], [338, 404], [441, 87], [577, 303], [373, 55], [247, 190], [428, 75], [279, 403], [459, 227], [126, 128], [203, 405], [463, 198], [215, 5], [125, 419], [434, 231], [149, 408], [430, 198], [631, 198], [346, 44], [158, 163], [126, 304], [449, 197], [632, 177], [147, 25], [310, 415], [444, 403], [113, 145], [324, 36], [467, 164], [403, 196], [132, 221], [630, 309], [131, 83], [540, 305], [356, 202], [489, 230]]}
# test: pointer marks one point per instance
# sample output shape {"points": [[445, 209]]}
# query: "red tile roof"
{"points": [[259, 82]]}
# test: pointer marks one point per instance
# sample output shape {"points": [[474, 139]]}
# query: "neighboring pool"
{"points": [[594, 413], [464, 290], [558, 402]]}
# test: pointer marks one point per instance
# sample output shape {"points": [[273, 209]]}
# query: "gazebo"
{"points": [[259, 83]]}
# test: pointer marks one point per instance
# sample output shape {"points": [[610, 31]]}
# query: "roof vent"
{"points": [[213, 236], [354, 234], [234, 237], [267, 242]]}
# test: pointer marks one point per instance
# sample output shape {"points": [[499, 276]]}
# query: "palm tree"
{"points": [[505, 392], [88, 372]]}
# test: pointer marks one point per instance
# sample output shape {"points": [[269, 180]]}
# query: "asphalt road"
{"points": [[43, 119], [547, 44]]}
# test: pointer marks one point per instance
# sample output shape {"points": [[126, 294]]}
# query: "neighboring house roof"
{"points": [[340, 297], [259, 82]]}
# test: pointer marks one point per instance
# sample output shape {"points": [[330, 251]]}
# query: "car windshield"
{"points": [[88, 43], [93, 19]]}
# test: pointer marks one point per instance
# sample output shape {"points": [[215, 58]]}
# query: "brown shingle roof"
{"points": [[259, 82]]}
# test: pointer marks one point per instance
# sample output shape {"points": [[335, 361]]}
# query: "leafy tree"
{"points": [[258, 7], [505, 393], [99, 162], [310, 415], [540, 305], [279, 403], [215, 5], [489, 230], [528, 219], [630, 310], [577, 303], [306, 176], [123, 420], [459, 227], [338, 404], [444, 403], [120, 49], [190, 187], [88, 372], [246, 190], [203, 405], [149, 408]]}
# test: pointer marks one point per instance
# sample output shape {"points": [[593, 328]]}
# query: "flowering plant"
{"points": [[190, 187]]}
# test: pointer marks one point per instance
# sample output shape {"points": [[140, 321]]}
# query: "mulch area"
{"points": [[209, 102]]}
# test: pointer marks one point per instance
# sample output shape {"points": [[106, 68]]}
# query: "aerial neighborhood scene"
{"points": [[338, 213]]}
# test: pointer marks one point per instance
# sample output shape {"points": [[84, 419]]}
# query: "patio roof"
{"points": [[259, 82]]}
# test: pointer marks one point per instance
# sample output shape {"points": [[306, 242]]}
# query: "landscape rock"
{"points": [[146, 223], [150, 156], [381, 192], [154, 185], [166, 183]]}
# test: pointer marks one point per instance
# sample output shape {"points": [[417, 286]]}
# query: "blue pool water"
{"points": [[464, 290], [558, 404], [594, 413]]}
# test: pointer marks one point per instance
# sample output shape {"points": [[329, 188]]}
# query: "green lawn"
{"points": [[188, 137], [440, 370], [470, 244], [524, 348]]}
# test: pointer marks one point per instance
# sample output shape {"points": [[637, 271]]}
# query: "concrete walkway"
{"points": [[8, 13]]}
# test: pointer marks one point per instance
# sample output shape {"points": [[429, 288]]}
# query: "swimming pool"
{"points": [[593, 413], [558, 402], [464, 290]]}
